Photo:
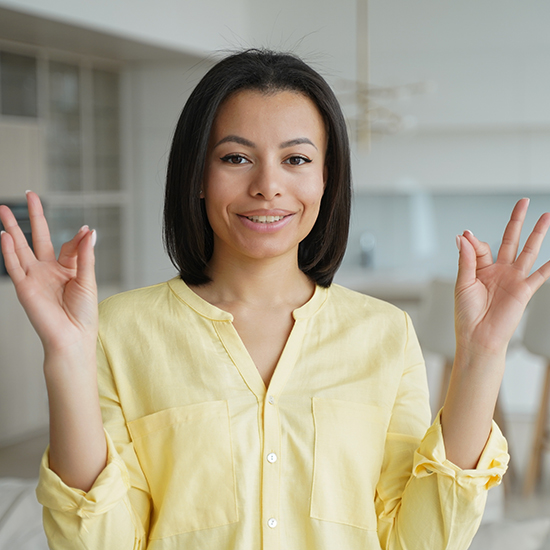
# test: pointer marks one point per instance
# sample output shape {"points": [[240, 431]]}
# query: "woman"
{"points": [[249, 403]]}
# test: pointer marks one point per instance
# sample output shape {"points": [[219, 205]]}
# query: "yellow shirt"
{"points": [[335, 453]]}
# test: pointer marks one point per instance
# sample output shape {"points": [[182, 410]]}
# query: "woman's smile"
{"points": [[264, 219], [266, 223]]}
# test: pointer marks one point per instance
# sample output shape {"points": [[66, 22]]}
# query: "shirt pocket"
{"points": [[186, 456], [349, 448]]}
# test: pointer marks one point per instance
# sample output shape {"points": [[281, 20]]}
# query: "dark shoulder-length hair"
{"points": [[188, 236]]}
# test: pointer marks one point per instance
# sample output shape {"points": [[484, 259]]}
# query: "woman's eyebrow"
{"points": [[297, 141], [247, 143], [236, 139]]}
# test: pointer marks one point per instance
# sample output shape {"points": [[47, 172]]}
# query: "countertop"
{"points": [[393, 285]]}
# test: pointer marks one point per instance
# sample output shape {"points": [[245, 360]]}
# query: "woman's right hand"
{"points": [[58, 295], [60, 298]]}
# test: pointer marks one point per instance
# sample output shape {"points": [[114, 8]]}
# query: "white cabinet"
{"points": [[19, 143]]}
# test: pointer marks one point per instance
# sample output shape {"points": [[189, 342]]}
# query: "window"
{"points": [[76, 102], [18, 85]]}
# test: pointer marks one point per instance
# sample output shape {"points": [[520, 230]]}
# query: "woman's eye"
{"points": [[234, 159], [297, 161]]}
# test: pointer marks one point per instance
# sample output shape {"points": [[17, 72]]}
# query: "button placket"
{"points": [[271, 471], [271, 475]]}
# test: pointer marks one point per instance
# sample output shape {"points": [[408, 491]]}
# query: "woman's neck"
{"points": [[256, 283]]}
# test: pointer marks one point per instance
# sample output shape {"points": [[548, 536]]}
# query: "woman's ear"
{"points": [[325, 176], [201, 194]]}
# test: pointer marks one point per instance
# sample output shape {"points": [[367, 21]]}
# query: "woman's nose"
{"points": [[266, 183]]}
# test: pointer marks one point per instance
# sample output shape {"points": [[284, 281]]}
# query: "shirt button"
{"points": [[272, 522], [271, 400], [272, 457]]}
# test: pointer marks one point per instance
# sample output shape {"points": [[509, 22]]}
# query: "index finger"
{"points": [[41, 240], [530, 251], [510, 240]]}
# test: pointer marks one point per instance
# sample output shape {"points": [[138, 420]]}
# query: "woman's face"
{"points": [[265, 174]]}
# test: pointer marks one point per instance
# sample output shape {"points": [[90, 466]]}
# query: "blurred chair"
{"points": [[536, 339], [436, 330], [436, 333]]}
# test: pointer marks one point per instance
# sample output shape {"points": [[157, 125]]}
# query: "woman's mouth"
{"points": [[266, 223], [265, 219]]}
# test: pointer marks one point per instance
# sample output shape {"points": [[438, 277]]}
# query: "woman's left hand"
{"points": [[490, 297]]}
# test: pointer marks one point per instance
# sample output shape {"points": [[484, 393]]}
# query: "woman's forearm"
{"points": [[490, 298], [59, 296], [78, 450], [469, 406]]}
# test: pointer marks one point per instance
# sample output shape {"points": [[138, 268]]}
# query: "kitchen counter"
{"points": [[393, 285]]}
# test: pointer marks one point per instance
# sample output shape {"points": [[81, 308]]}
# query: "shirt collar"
{"points": [[206, 309]]}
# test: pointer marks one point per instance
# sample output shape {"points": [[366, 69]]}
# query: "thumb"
{"points": [[467, 263]]}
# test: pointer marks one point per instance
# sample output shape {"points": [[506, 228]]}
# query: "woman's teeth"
{"points": [[265, 219]]}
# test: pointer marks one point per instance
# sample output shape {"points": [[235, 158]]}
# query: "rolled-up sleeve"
{"points": [[110, 487], [430, 459], [114, 513], [423, 500]]}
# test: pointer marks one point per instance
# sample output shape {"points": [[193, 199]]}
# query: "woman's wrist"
{"points": [[78, 358], [473, 354]]}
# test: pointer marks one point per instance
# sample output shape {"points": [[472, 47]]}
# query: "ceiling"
{"points": [[37, 31]]}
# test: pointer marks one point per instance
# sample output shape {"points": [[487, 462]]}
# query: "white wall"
{"points": [[488, 124], [323, 32], [192, 26], [155, 94], [430, 25], [23, 399], [326, 29]]}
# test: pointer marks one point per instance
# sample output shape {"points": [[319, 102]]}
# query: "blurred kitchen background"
{"points": [[449, 114]]}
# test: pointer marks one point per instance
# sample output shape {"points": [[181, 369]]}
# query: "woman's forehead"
{"points": [[283, 114]]}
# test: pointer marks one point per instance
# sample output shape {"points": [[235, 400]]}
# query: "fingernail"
{"points": [[458, 244], [82, 228], [27, 191], [94, 237], [469, 232]]}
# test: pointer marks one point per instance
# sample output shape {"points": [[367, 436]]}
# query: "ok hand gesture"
{"points": [[490, 297], [58, 295]]}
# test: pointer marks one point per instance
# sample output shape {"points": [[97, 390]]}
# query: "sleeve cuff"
{"points": [[109, 488], [430, 458]]}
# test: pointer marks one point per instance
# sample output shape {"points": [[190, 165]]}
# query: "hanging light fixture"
{"points": [[370, 115]]}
